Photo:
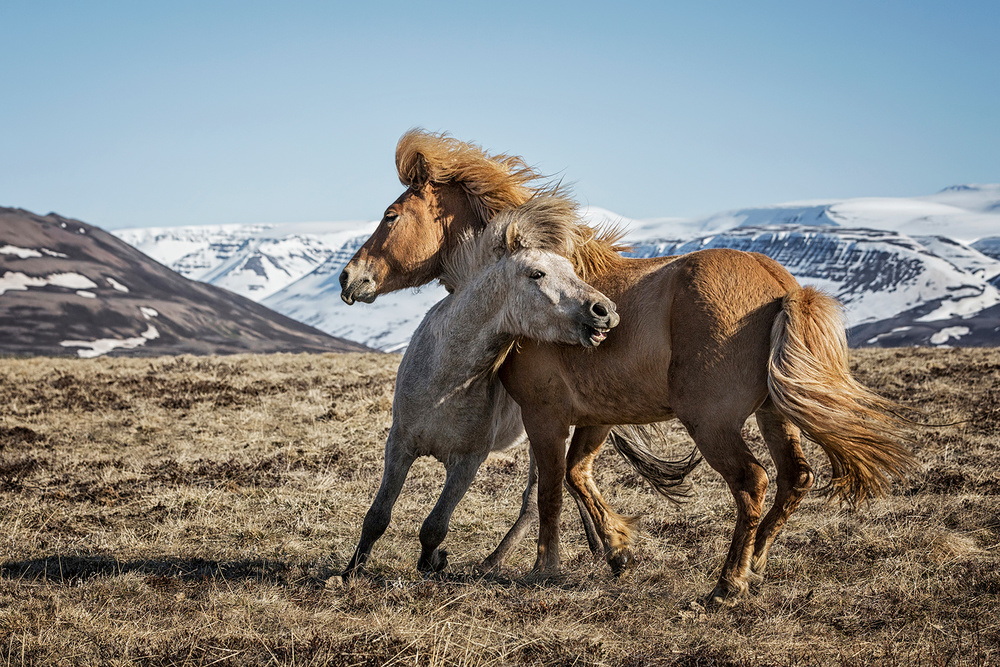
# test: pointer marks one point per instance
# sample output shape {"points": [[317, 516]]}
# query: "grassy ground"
{"points": [[195, 511]]}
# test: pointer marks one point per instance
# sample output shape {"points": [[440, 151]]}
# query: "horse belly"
{"points": [[639, 398], [470, 423]]}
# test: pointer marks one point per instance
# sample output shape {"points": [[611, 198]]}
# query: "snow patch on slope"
{"points": [[96, 348], [15, 280]]}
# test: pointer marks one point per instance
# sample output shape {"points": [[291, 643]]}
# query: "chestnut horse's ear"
{"points": [[414, 173]]}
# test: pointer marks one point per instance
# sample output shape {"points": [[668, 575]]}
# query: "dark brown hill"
{"points": [[69, 288]]}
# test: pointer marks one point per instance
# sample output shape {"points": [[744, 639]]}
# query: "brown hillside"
{"points": [[68, 288]]}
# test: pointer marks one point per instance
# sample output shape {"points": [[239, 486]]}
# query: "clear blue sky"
{"points": [[141, 113]]}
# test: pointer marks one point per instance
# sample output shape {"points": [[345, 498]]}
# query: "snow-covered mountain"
{"points": [[910, 271], [254, 261]]}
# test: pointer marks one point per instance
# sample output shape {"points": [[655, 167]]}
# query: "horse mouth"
{"points": [[351, 298], [594, 336]]}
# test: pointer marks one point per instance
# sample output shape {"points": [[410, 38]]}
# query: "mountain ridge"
{"points": [[882, 256]]}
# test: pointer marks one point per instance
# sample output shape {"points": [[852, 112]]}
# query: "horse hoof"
{"points": [[488, 565], [620, 562], [724, 597], [437, 561], [716, 601]]}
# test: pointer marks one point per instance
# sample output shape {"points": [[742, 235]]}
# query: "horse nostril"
{"points": [[599, 310], [343, 279]]}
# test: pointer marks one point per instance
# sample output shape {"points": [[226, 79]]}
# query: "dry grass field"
{"points": [[196, 511]]}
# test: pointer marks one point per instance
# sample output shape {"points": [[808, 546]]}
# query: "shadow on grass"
{"points": [[471, 577], [72, 569]]}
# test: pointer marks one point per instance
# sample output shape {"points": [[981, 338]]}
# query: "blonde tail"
{"points": [[810, 382]]}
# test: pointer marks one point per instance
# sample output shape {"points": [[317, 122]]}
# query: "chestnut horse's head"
{"points": [[451, 187]]}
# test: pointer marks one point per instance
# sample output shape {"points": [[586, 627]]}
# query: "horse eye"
{"points": [[391, 217], [537, 275]]}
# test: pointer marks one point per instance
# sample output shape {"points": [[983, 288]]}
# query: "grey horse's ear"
{"points": [[513, 238]]}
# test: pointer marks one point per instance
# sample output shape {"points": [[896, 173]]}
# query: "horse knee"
{"points": [[753, 481], [576, 478], [804, 480], [750, 492]]}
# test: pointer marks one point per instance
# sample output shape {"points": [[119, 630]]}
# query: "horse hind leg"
{"points": [[529, 515], [397, 465], [589, 527], [614, 531], [725, 450], [795, 478], [525, 518], [461, 472]]}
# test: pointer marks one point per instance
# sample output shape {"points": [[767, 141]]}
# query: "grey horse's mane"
{"points": [[546, 222]]}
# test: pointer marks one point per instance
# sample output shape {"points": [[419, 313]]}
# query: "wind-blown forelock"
{"points": [[498, 182], [493, 182]]}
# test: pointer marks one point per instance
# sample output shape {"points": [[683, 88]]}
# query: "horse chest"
{"points": [[591, 387], [456, 423]]}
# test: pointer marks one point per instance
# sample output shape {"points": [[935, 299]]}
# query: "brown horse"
{"points": [[710, 338]]}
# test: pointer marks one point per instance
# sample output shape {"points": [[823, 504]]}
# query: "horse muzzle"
{"points": [[601, 318], [357, 285]]}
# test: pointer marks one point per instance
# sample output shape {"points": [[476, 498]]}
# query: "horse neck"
{"points": [[457, 215], [471, 331]]}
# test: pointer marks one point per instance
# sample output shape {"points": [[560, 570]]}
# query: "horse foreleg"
{"points": [[548, 444], [397, 465], [614, 530], [795, 478], [725, 450], [461, 472]]}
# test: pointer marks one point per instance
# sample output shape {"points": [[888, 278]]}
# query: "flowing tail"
{"points": [[668, 478], [810, 382]]}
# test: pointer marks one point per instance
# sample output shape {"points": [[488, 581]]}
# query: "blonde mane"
{"points": [[498, 182], [493, 182]]}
